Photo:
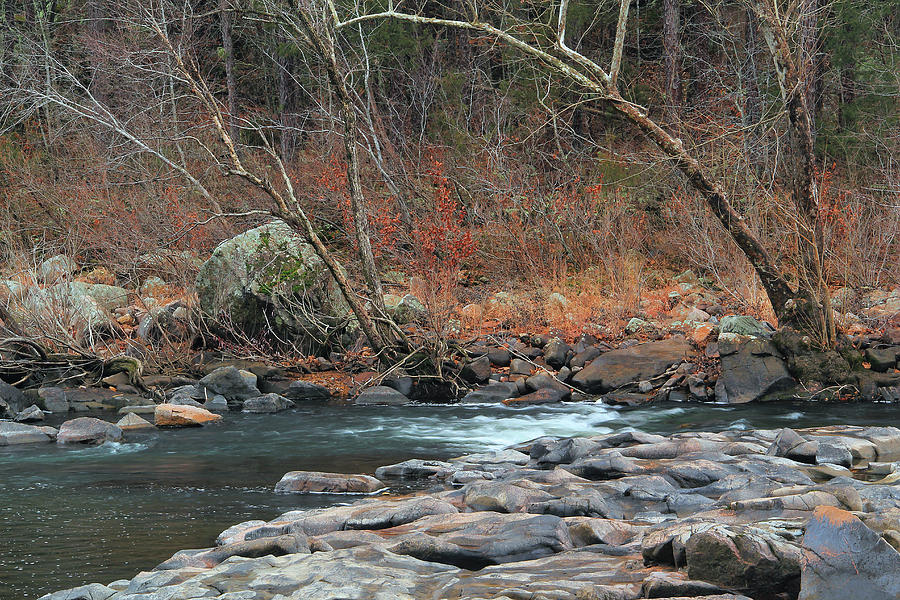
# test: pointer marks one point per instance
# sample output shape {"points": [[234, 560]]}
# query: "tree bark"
{"points": [[324, 43], [228, 48], [672, 51]]}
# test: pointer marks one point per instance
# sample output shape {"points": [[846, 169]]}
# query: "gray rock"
{"points": [[752, 369], [300, 391], [499, 357], [475, 540], [833, 454], [232, 383], [620, 367], [56, 267], [585, 356], [381, 394], [11, 397], [131, 422], [19, 433], [256, 276], [92, 591], [299, 482], [545, 395], [267, 403], [556, 353], [493, 392], [845, 559], [517, 366], [88, 430], [745, 559], [883, 359], [53, 399], [416, 469], [477, 371], [32, 414]]}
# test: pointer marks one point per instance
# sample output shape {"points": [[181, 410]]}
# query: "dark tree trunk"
{"points": [[98, 26], [811, 60], [228, 47], [287, 106], [672, 50], [753, 147]]}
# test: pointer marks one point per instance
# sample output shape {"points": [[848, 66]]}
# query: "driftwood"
{"points": [[24, 362]]}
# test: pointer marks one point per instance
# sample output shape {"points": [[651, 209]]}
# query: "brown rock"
{"points": [[171, 415]]}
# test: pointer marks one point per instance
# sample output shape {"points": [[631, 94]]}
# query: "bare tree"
{"points": [[805, 307]]}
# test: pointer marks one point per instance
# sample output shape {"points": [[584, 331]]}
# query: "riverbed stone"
{"points": [[234, 384], [267, 403], [492, 393], [300, 391], [172, 415], [745, 559], [381, 394], [53, 399], [620, 367], [12, 399], [752, 369], [31, 414], [541, 396], [417, 469], [132, 422], [92, 591], [477, 370], [88, 430], [475, 540], [20, 433], [305, 482], [845, 559]]}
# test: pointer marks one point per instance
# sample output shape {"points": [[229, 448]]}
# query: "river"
{"points": [[73, 515]]}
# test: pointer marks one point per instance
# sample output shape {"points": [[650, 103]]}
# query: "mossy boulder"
{"points": [[269, 282]]}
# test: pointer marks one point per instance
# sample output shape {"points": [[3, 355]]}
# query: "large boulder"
{"points": [[88, 430], [845, 559], [637, 363], [300, 482], [752, 369], [269, 280]]}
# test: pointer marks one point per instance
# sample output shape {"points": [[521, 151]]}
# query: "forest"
{"points": [[547, 300]]}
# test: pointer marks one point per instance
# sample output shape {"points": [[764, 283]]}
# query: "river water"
{"points": [[70, 516]]}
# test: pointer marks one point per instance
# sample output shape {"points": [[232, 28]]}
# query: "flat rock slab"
{"points": [[637, 363], [172, 415], [845, 559], [306, 482]]}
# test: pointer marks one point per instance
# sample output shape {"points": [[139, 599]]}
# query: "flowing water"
{"points": [[70, 516]]}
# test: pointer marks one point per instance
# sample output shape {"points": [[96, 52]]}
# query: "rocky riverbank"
{"points": [[812, 513]]}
